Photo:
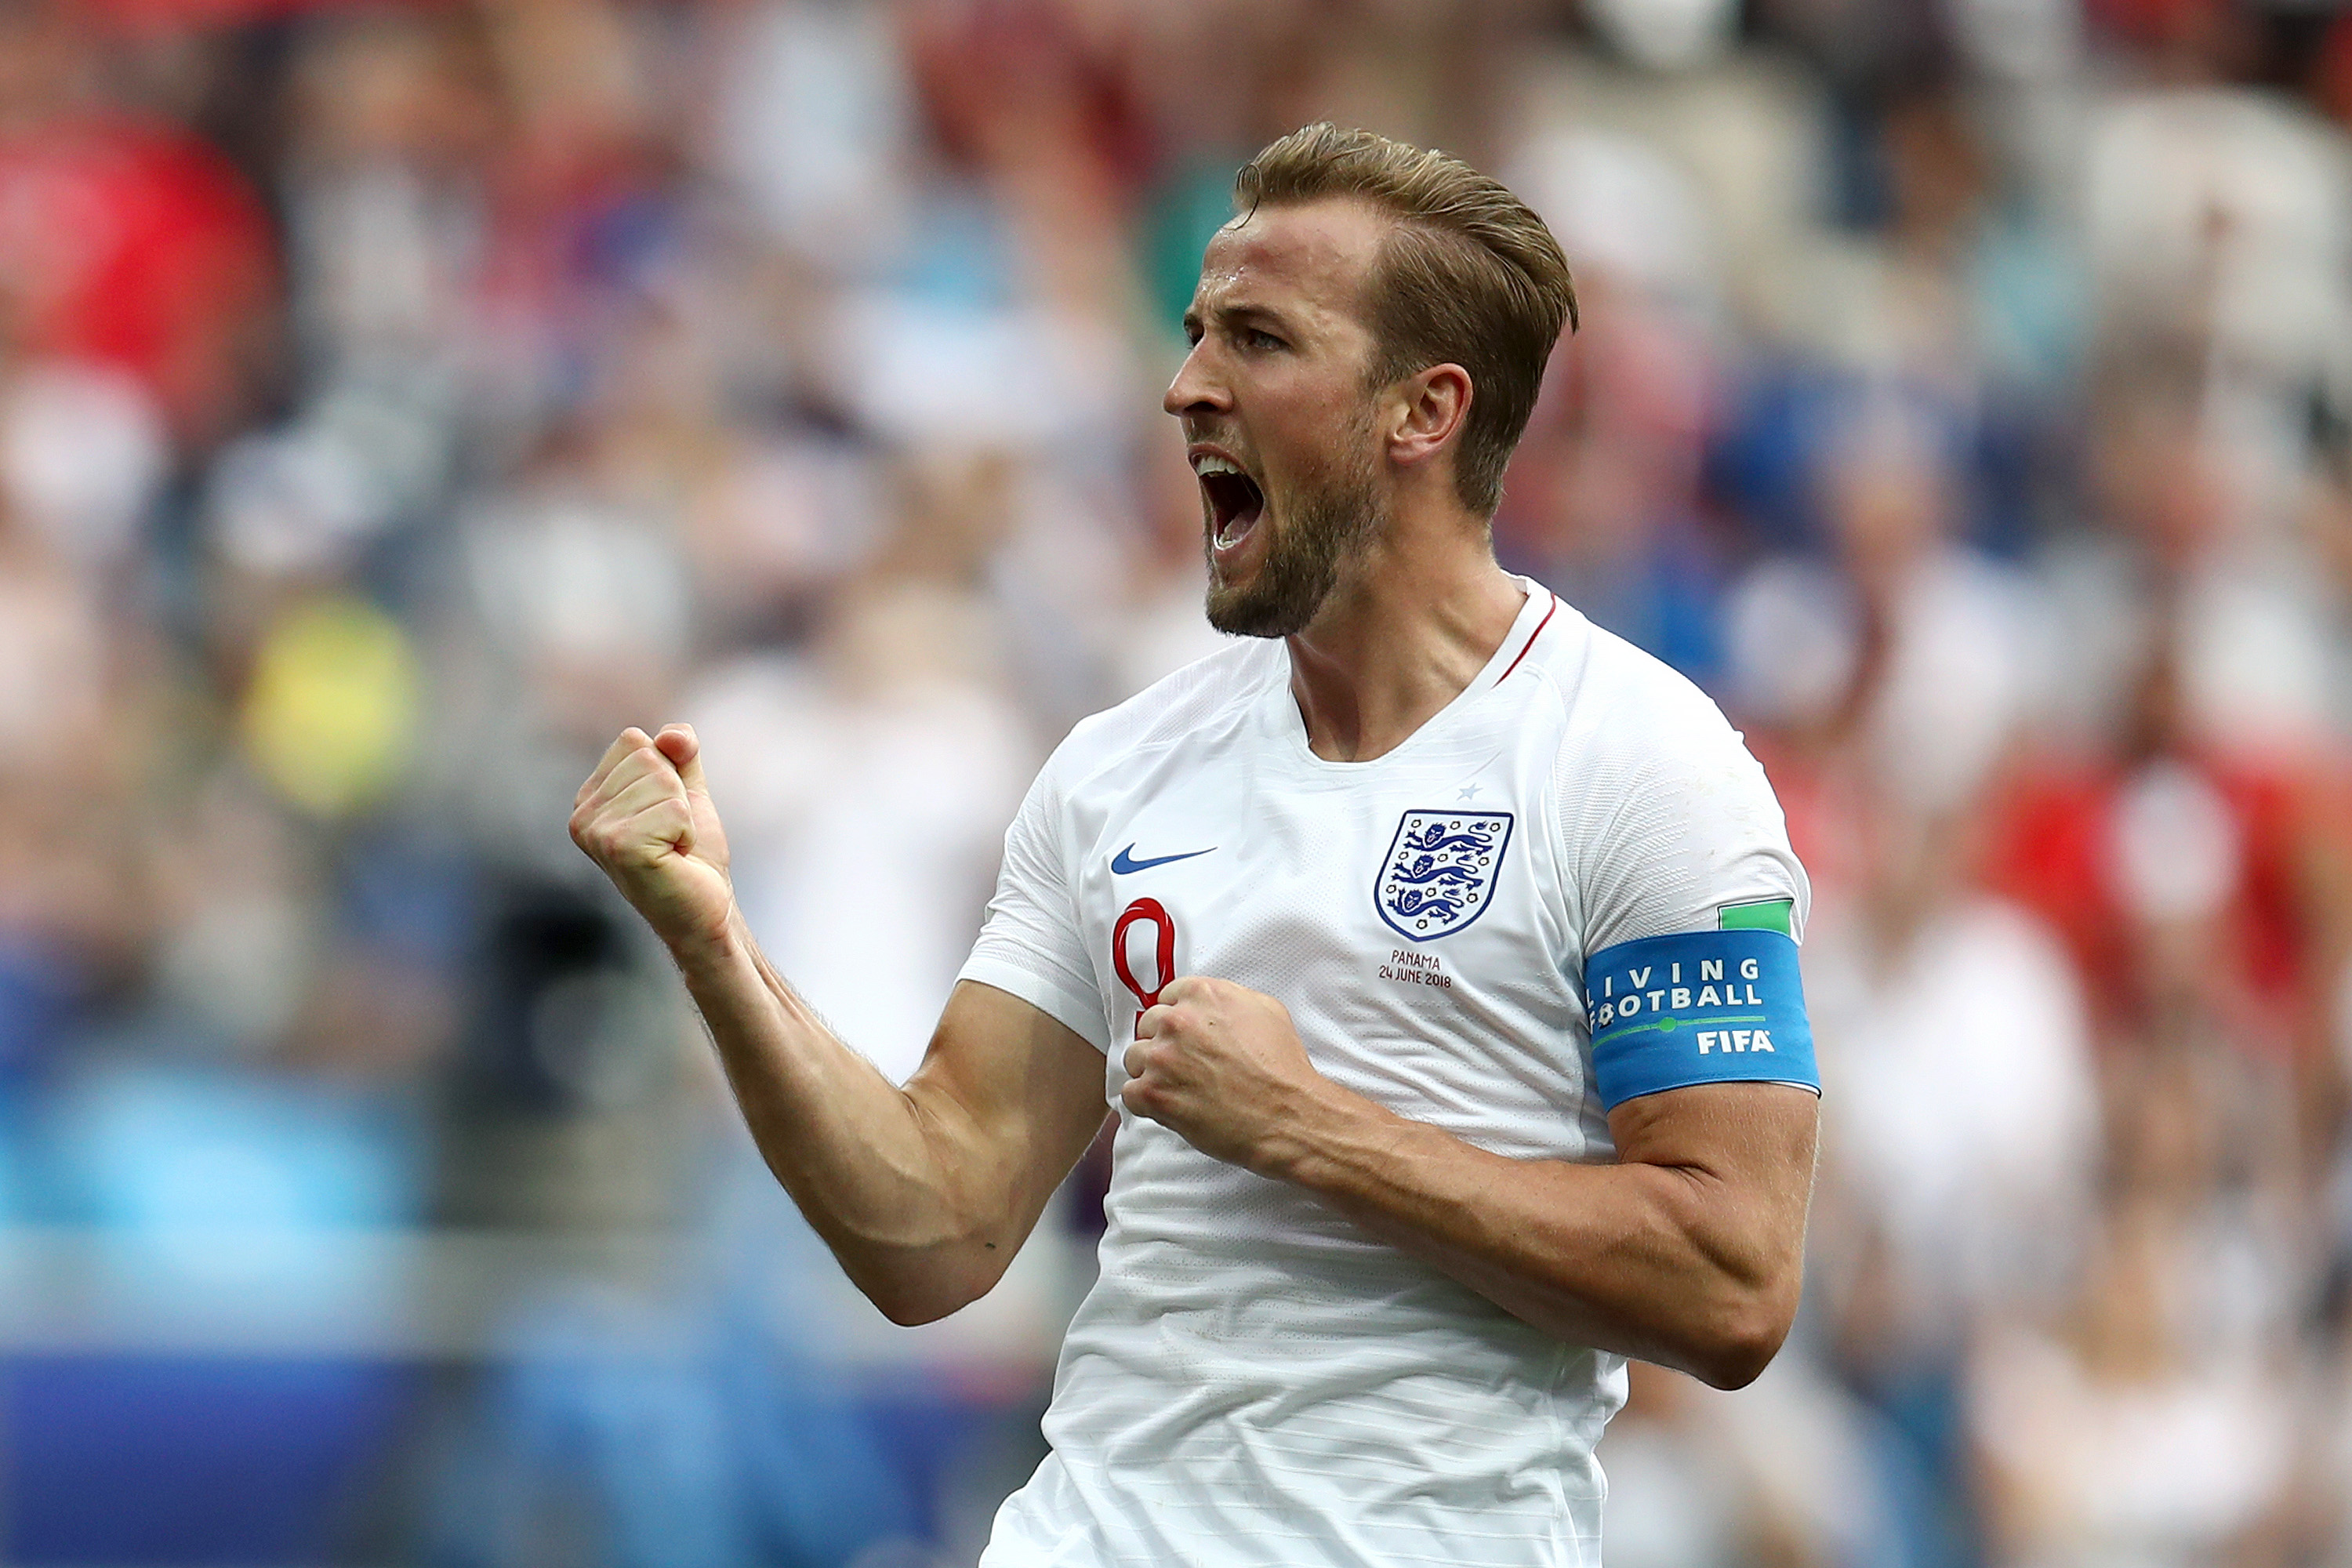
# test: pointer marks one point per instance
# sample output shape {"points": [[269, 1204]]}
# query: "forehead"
{"points": [[1312, 257]]}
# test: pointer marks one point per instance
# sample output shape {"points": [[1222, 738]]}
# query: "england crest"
{"points": [[1440, 873]]}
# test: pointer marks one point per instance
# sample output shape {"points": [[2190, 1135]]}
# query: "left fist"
{"points": [[1221, 1066]]}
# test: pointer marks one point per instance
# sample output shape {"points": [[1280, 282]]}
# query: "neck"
{"points": [[1399, 638]]}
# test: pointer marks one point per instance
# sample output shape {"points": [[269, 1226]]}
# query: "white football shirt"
{"points": [[1252, 1380]]}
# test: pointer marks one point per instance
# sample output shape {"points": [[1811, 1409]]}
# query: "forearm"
{"points": [[923, 1194], [1665, 1262], [866, 1162]]}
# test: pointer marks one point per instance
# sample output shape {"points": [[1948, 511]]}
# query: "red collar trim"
{"points": [[1548, 615]]}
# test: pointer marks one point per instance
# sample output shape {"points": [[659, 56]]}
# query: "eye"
{"points": [[1258, 337]]}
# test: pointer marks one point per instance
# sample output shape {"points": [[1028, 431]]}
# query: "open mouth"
{"points": [[1235, 503]]}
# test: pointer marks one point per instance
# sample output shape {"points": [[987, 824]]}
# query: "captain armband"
{"points": [[1712, 1006]]}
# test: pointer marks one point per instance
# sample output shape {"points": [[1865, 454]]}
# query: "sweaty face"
{"points": [[1278, 417]]}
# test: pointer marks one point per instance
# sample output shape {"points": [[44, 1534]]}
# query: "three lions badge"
{"points": [[1440, 871]]}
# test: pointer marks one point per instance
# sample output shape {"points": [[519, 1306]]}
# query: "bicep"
{"points": [[1748, 1150], [1014, 1094]]}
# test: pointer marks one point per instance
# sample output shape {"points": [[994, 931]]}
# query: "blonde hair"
{"points": [[1469, 276]]}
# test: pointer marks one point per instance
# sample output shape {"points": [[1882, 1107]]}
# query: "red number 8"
{"points": [[1165, 952]]}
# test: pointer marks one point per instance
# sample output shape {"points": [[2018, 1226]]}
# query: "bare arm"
{"points": [[924, 1193], [1687, 1252]]}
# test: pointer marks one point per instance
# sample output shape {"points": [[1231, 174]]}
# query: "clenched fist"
{"points": [[644, 817], [1221, 1065]]}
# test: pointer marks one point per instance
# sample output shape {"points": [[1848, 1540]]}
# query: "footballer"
{"points": [[1433, 950]]}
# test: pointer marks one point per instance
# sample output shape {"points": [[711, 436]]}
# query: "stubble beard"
{"points": [[1327, 526]]}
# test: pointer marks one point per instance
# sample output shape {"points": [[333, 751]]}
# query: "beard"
{"points": [[1325, 528]]}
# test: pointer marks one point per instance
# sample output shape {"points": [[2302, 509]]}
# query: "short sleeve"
{"points": [[1030, 943], [1692, 903], [1675, 828]]}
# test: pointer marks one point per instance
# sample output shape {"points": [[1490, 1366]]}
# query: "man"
{"points": [[1433, 950]]}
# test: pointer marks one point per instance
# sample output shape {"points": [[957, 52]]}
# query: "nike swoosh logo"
{"points": [[1123, 862]]}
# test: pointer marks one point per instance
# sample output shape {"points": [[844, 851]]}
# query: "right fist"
{"points": [[644, 817]]}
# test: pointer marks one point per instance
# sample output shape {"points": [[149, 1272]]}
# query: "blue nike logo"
{"points": [[1122, 863]]}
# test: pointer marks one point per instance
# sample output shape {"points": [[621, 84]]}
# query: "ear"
{"points": [[1427, 414]]}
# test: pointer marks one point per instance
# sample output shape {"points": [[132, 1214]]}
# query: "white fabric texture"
{"points": [[1252, 1380]]}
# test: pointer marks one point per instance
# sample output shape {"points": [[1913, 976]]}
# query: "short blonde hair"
{"points": [[1470, 276]]}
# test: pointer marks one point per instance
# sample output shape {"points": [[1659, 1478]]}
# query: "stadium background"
{"points": [[396, 399]]}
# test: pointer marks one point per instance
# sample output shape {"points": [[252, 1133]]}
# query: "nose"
{"points": [[1195, 389]]}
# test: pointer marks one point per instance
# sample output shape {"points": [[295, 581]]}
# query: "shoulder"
{"points": [[1661, 813], [1629, 720], [1208, 694]]}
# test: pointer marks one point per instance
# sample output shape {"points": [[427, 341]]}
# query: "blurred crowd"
{"points": [[397, 399]]}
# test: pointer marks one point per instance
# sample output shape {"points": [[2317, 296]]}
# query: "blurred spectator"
{"points": [[2076, 1420], [831, 766], [128, 241], [1782, 1475]]}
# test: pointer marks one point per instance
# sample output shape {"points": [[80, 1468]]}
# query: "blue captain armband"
{"points": [[1708, 1006]]}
